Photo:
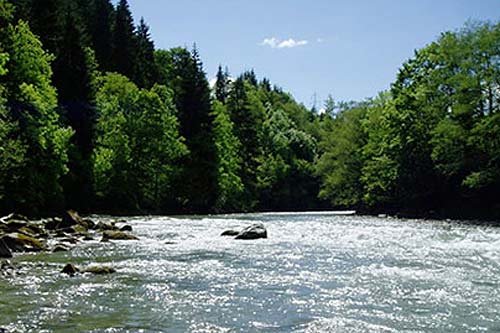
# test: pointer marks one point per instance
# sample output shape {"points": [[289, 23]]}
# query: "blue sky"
{"points": [[350, 49]]}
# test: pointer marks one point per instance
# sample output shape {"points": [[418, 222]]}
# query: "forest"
{"points": [[94, 117]]}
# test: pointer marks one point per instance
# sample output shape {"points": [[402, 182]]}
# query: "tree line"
{"points": [[430, 144], [94, 117]]}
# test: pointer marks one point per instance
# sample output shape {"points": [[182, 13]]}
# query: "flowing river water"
{"points": [[315, 273]]}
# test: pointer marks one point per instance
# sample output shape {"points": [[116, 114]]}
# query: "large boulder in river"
{"points": [[101, 226], [22, 243], [126, 228], [71, 218], [117, 235], [255, 231], [231, 233], [4, 250]]}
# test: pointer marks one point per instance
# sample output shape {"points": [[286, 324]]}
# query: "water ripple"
{"points": [[316, 273]]}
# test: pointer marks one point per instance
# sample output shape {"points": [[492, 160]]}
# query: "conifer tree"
{"points": [[46, 21], [146, 72], [222, 85], [124, 43], [100, 24], [183, 72]]}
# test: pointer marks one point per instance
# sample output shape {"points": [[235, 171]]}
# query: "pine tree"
{"points": [[183, 72], [46, 21], [222, 85], [99, 27], [247, 113], [146, 72], [124, 41]]}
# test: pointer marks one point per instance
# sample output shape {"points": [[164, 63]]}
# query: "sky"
{"points": [[350, 49]]}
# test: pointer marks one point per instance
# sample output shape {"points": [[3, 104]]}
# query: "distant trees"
{"points": [[430, 144]]}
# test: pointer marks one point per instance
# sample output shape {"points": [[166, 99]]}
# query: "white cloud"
{"points": [[320, 40], [276, 43]]}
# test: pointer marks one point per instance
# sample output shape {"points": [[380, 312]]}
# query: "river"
{"points": [[315, 273]]}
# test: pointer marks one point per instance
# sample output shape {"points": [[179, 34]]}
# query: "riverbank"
{"points": [[18, 234]]}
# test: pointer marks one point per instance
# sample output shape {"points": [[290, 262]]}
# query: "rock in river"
{"points": [[4, 250], [230, 233], [100, 270], [255, 231], [117, 235], [71, 218], [126, 228], [70, 269], [22, 243]]}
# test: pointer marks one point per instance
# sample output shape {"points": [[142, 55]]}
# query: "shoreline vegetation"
{"points": [[94, 117]]}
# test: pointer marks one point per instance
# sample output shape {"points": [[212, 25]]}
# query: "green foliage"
{"points": [[229, 184], [341, 160], [123, 41], [33, 103], [137, 145], [432, 142], [146, 70], [222, 85], [182, 71]]}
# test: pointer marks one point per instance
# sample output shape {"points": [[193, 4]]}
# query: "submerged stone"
{"points": [[117, 235], [100, 270]]}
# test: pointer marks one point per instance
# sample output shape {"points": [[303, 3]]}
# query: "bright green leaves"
{"points": [[35, 123], [229, 184], [137, 145]]}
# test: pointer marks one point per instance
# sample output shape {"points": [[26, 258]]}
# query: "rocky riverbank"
{"points": [[58, 234]]}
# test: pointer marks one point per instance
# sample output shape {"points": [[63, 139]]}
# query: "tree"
{"points": [[285, 171], [222, 84], [46, 21], [341, 160], [32, 102], [12, 149], [229, 184], [248, 114], [182, 71], [146, 71], [137, 146], [124, 41], [100, 29]]}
